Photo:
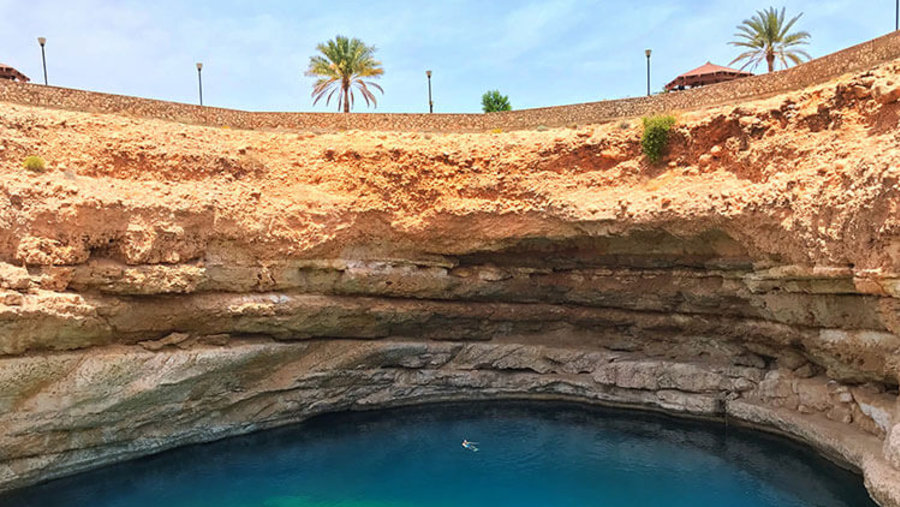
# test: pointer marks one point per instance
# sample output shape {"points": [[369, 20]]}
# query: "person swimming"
{"points": [[469, 445]]}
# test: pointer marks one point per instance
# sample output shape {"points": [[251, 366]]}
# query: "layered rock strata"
{"points": [[163, 284]]}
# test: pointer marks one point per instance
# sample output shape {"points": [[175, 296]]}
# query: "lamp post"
{"points": [[43, 41], [431, 102], [897, 16], [200, 80], [647, 52]]}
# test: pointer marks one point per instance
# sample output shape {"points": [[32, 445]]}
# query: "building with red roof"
{"points": [[706, 74], [7, 72]]}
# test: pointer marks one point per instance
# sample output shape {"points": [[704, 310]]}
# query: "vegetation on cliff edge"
{"points": [[656, 136], [34, 163]]}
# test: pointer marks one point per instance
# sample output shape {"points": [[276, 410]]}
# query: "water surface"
{"points": [[529, 455]]}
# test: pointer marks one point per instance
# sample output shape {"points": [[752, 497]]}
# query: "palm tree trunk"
{"points": [[770, 59], [346, 86]]}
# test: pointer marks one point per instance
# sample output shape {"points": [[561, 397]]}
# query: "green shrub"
{"points": [[656, 136], [34, 163], [493, 101]]}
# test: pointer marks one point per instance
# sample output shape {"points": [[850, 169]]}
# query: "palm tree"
{"points": [[767, 38], [344, 63]]}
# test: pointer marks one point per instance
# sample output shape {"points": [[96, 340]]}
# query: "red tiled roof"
{"points": [[8, 72], [708, 73], [711, 68]]}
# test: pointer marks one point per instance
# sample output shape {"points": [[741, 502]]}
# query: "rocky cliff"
{"points": [[162, 284]]}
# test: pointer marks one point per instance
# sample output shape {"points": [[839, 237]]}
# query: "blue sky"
{"points": [[540, 53]]}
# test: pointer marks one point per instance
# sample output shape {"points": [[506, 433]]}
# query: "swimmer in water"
{"points": [[470, 445]]}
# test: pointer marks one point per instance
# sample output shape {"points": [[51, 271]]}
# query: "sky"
{"points": [[539, 53]]}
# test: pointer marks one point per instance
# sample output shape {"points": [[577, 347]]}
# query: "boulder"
{"points": [[886, 91]]}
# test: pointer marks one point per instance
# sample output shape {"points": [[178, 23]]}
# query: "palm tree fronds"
{"points": [[341, 65], [769, 39]]}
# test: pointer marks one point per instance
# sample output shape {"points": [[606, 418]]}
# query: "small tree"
{"points": [[492, 101]]}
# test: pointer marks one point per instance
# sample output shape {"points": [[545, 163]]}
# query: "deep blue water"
{"points": [[529, 455]]}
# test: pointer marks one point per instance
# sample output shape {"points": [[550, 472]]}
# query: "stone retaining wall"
{"points": [[859, 57]]}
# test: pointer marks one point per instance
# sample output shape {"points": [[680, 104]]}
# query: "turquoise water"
{"points": [[529, 455]]}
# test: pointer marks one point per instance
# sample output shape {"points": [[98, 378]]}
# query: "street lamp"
{"points": [[200, 80], [431, 102], [897, 17], [647, 52], [43, 41]]}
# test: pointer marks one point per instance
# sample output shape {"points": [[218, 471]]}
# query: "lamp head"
{"points": [[42, 40], [428, 73], [199, 65], [647, 52]]}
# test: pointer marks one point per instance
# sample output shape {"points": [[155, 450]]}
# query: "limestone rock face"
{"points": [[892, 446], [892, 442], [163, 284]]}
